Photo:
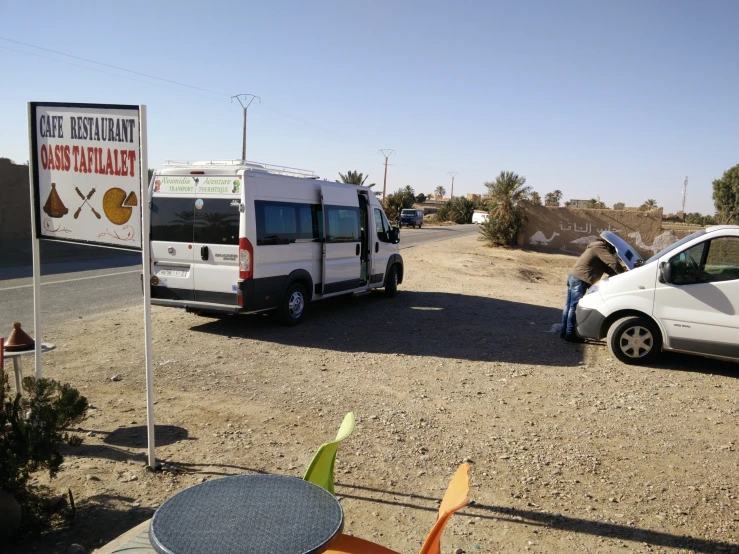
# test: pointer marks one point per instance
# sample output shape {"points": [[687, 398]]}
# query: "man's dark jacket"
{"points": [[597, 259]]}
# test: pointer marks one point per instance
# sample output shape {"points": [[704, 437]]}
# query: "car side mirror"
{"points": [[395, 235], [665, 272]]}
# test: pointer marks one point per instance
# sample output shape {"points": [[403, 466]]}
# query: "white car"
{"points": [[684, 298]]}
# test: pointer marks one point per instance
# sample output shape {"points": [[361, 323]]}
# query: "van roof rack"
{"points": [[244, 164]]}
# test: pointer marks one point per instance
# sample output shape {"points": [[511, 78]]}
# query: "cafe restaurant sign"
{"points": [[87, 173]]}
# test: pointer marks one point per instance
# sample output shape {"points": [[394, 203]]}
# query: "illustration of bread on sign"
{"points": [[54, 206], [118, 206]]}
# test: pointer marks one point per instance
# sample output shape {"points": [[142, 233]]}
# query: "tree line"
{"points": [[507, 196]]}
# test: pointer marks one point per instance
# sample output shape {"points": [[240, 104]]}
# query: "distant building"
{"points": [[577, 203], [476, 198]]}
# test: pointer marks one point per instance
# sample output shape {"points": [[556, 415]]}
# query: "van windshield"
{"points": [[409, 212], [675, 245]]}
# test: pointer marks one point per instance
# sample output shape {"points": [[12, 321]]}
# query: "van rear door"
{"points": [[171, 239], [342, 263], [216, 248]]}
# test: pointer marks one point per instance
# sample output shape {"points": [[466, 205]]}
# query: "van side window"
{"points": [[343, 224], [286, 222], [381, 226], [687, 265], [708, 262], [722, 261], [311, 222]]}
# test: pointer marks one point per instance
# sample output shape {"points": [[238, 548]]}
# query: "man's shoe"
{"points": [[574, 339]]}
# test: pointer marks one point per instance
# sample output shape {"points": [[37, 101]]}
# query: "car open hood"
{"points": [[626, 253]]}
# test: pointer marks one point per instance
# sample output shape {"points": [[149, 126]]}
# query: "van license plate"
{"points": [[172, 272]]}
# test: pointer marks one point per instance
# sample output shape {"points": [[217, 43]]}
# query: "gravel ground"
{"points": [[571, 451]]}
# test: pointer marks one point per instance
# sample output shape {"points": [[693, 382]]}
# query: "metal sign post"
{"points": [[146, 279]]}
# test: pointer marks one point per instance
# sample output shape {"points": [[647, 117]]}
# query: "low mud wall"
{"points": [[15, 202], [570, 230]]}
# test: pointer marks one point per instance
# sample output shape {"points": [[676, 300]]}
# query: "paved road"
{"points": [[75, 289]]}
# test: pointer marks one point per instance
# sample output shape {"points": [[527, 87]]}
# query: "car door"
{"points": [[698, 308], [382, 247], [171, 237], [342, 264], [216, 249]]}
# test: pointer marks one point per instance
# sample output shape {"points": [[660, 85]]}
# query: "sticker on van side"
{"points": [[174, 185], [202, 185]]}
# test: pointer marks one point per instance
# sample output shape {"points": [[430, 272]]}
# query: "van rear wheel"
{"points": [[293, 305], [635, 340]]}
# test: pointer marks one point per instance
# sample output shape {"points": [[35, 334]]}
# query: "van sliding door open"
{"points": [[342, 263]]}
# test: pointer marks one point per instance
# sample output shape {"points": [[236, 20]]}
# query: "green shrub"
{"points": [[32, 430], [503, 230], [461, 210], [443, 214]]}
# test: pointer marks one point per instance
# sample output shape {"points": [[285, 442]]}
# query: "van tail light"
{"points": [[246, 258]]}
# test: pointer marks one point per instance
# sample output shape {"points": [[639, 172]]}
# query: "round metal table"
{"points": [[266, 514], [17, 367]]}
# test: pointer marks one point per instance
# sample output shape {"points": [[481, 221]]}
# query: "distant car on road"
{"points": [[411, 218]]}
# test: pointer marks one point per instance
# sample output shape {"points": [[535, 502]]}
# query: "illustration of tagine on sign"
{"points": [[118, 208], [54, 206]]}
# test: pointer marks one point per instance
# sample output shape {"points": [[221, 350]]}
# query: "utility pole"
{"points": [[387, 152], [453, 174], [685, 193], [248, 99]]}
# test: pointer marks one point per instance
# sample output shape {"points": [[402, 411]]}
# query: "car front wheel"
{"points": [[635, 340]]}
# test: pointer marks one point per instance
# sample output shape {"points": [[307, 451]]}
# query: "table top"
{"points": [[45, 347], [267, 514]]}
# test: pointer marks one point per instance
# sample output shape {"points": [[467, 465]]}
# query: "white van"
{"points": [[237, 237], [684, 298], [480, 217]]}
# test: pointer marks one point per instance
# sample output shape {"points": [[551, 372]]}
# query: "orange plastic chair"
{"points": [[455, 497]]}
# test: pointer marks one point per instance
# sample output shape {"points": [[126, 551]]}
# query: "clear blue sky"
{"points": [[620, 99]]}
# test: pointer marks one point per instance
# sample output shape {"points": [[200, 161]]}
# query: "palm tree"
{"points": [[535, 199], [553, 198], [507, 196], [507, 193], [649, 205], [440, 192], [354, 178]]}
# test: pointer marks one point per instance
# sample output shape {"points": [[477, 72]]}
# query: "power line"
{"points": [[313, 127], [111, 66], [98, 70]]}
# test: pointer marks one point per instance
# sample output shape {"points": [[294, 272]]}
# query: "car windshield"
{"points": [[408, 212], [674, 245]]}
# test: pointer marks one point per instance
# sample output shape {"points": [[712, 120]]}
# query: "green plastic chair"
{"points": [[321, 468]]}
